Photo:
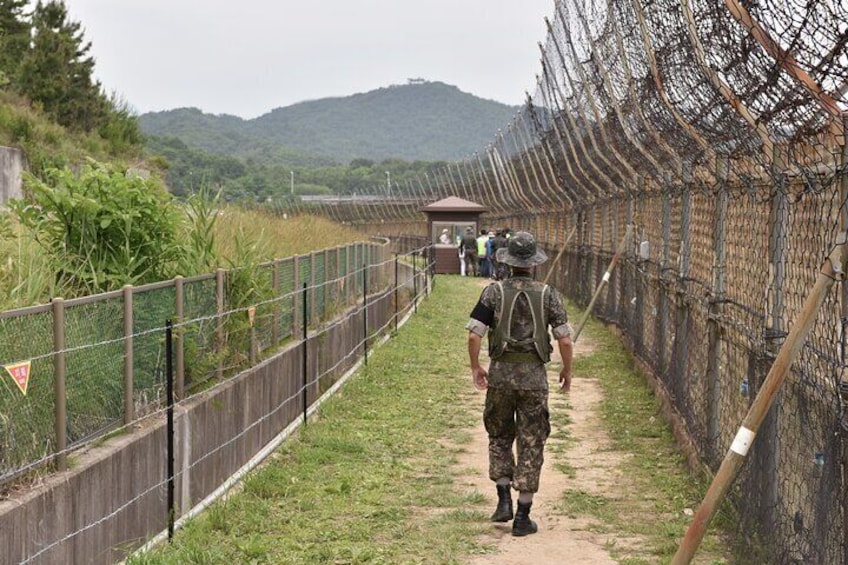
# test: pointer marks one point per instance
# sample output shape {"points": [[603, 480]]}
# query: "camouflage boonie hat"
{"points": [[521, 251]]}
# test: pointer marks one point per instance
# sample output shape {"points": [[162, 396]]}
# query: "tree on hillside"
{"points": [[57, 70], [14, 38]]}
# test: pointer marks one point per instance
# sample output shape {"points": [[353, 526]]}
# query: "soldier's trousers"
{"points": [[519, 416]]}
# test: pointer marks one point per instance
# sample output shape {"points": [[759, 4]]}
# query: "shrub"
{"points": [[102, 228]]}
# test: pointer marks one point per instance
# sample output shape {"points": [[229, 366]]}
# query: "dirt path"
{"points": [[595, 470]]}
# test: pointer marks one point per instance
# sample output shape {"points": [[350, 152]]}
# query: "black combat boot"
{"points": [[503, 513], [523, 525]]}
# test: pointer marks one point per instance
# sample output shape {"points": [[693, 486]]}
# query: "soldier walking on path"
{"points": [[516, 313]]}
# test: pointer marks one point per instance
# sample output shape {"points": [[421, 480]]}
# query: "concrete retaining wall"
{"points": [[115, 497], [12, 164]]}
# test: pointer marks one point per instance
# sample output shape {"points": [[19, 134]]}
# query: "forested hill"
{"points": [[418, 121]]}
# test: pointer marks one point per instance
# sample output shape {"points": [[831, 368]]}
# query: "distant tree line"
{"points": [[45, 58], [254, 182]]}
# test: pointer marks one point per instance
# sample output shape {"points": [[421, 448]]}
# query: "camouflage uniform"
{"points": [[469, 244], [517, 398]]}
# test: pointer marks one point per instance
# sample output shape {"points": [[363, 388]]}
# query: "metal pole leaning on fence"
{"points": [[618, 252], [831, 271], [169, 423], [559, 255]]}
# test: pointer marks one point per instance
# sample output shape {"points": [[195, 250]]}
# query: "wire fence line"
{"points": [[223, 430], [715, 129], [97, 362]]}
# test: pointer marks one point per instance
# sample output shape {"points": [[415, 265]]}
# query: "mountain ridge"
{"points": [[421, 120]]}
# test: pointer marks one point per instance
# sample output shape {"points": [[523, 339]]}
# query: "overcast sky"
{"points": [[248, 57]]}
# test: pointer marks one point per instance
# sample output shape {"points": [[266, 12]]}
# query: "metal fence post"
{"points": [[296, 311], [612, 290], [313, 314], [179, 346], [326, 286], [830, 272], [662, 318], [843, 383], [129, 404], [59, 392], [629, 279], [767, 455], [365, 312], [415, 281], [681, 317], [169, 399], [425, 267], [397, 304], [220, 277], [305, 366], [348, 283], [622, 246], [716, 312], [339, 299], [253, 353], [594, 260], [275, 308]]}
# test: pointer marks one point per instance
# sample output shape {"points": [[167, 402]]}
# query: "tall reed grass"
{"points": [[237, 238]]}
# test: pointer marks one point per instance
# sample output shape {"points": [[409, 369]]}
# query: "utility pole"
{"points": [[292, 182]]}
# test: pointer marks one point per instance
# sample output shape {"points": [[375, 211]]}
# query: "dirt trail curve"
{"points": [[595, 469]]}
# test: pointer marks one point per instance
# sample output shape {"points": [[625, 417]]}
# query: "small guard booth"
{"points": [[454, 215]]}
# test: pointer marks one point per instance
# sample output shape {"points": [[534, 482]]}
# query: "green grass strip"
{"points": [[653, 506], [372, 479], [368, 481]]}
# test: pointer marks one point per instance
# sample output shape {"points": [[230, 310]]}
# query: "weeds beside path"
{"points": [[382, 476]]}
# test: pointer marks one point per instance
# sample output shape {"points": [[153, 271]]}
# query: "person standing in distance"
{"points": [[445, 238], [468, 244], [516, 313]]}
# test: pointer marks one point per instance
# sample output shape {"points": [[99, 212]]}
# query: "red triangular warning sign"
{"points": [[20, 374]]}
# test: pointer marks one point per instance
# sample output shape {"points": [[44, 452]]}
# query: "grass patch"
{"points": [[373, 479], [576, 503], [365, 482], [661, 487]]}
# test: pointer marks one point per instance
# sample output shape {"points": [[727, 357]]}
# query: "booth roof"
{"points": [[453, 204]]}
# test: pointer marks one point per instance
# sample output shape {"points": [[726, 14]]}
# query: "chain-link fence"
{"points": [[715, 129], [188, 453], [97, 363]]}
